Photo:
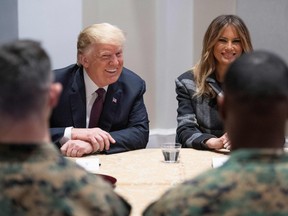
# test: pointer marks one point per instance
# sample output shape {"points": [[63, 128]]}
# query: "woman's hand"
{"points": [[219, 143]]}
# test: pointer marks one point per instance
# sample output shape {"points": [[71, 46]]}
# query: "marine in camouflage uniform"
{"points": [[254, 180], [248, 184], [36, 180]]}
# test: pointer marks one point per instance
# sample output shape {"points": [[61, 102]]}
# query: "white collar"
{"points": [[90, 86]]}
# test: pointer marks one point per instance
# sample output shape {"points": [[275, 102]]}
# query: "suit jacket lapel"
{"points": [[112, 102], [214, 85], [78, 100]]}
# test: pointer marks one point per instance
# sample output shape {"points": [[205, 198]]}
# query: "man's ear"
{"points": [[221, 106], [54, 94], [82, 59]]}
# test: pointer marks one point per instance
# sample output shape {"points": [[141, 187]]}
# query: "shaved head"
{"points": [[257, 75], [255, 104]]}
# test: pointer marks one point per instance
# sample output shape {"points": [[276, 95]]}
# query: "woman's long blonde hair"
{"points": [[207, 63]]}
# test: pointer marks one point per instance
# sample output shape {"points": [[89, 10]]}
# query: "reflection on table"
{"points": [[142, 176]]}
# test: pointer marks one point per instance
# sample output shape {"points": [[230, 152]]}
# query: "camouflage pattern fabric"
{"points": [[251, 183], [37, 180]]}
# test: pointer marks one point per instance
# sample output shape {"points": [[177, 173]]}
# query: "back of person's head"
{"points": [[255, 106], [25, 77], [102, 33], [257, 76]]}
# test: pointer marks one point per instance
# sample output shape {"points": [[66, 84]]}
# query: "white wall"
{"points": [[56, 23], [8, 20], [174, 55], [268, 24]]}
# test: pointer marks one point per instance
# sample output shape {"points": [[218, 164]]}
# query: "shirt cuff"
{"points": [[67, 135]]}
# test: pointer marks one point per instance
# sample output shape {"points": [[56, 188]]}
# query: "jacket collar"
{"points": [[211, 80]]}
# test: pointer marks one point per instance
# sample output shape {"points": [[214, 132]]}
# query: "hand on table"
{"points": [[219, 143], [226, 142], [76, 148], [87, 141]]}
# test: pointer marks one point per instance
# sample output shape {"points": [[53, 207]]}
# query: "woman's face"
{"points": [[227, 48]]}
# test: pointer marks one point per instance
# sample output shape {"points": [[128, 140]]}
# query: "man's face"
{"points": [[103, 63]]}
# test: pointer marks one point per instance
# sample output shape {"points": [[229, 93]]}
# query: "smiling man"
{"points": [[102, 107]]}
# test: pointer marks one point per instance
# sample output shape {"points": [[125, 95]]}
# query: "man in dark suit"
{"points": [[123, 124]]}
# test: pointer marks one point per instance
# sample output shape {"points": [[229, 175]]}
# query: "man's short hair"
{"points": [[257, 75], [25, 77], [103, 33]]}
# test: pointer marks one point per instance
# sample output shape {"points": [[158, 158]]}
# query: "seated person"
{"points": [[199, 124], [34, 177], [121, 123], [254, 180]]}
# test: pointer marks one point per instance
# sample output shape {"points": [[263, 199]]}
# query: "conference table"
{"points": [[143, 176]]}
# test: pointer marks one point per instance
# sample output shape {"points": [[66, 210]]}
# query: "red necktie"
{"points": [[97, 108]]}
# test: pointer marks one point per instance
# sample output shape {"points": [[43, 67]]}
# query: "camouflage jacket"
{"points": [[252, 182], [37, 180]]}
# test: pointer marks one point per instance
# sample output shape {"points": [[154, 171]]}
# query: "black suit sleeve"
{"points": [[136, 134], [56, 135]]}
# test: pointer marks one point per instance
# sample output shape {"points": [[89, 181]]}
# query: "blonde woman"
{"points": [[199, 124]]}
